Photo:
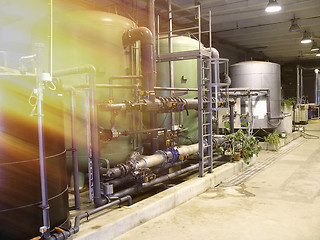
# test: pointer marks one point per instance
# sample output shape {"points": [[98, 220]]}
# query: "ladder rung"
{"points": [[206, 157], [206, 135], [206, 124]]}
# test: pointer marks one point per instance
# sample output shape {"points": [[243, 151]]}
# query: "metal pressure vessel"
{"points": [[96, 37], [258, 75], [185, 76], [20, 190]]}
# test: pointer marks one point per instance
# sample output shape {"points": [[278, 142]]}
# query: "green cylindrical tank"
{"points": [[95, 37], [185, 76], [91, 37]]}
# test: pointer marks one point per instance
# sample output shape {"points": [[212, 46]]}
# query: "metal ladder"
{"points": [[205, 109]]}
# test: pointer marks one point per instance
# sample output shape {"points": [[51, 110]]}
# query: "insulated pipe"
{"points": [[141, 161], [91, 71], [73, 230]]}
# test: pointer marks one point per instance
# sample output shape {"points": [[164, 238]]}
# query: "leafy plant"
{"points": [[273, 138], [288, 102], [246, 144]]}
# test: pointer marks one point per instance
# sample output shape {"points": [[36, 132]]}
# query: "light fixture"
{"points": [[318, 54], [306, 37], [314, 46], [273, 6], [294, 26]]}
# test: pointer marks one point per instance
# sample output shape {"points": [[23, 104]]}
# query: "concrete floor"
{"points": [[281, 202]]}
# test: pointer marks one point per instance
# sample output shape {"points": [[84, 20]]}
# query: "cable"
{"points": [[309, 136]]}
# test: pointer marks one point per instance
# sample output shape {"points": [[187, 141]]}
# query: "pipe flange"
{"points": [[175, 154], [164, 155]]}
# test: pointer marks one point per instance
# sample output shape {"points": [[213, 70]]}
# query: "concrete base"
{"points": [[114, 222], [283, 142]]}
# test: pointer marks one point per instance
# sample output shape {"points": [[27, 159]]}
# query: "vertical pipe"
{"points": [[170, 44], [43, 171], [98, 201], [153, 115], [199, 25], [94, 137], [301, 85], [298, 84], [210, 30], [231, 117], [158, 36], [200, 115], [317, 95], [74, 154]]}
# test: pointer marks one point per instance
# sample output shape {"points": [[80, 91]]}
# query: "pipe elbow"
{"points": [[142, 34]]}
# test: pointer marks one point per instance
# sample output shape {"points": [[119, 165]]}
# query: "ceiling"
{"points": [[246, 25]]}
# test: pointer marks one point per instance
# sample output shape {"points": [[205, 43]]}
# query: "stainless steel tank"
{"points": [[257, 75]]}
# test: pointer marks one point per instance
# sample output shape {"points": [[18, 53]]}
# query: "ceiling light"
{"points": [[318, 54], [314, 46], [273, 6], [294, 26], [306, 37]]}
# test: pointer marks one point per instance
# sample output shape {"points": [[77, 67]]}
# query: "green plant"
{"points": [[246, 144], [288, 102], [273, 138]]}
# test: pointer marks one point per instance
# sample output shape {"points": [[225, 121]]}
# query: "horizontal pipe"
{"points": [[175, 89], [125, 133], [73, 230], [126, 77], [161, 179], [107, 86]]}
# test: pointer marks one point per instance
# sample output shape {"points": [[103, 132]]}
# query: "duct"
{"points": [[90, 69]]}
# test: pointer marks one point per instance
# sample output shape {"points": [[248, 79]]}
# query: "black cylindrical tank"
{"points": [[20, 192]]}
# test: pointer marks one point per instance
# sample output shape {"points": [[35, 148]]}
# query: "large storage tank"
{"points": [[185, 76], [20, 190], [256, 75], [96, 37]]}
